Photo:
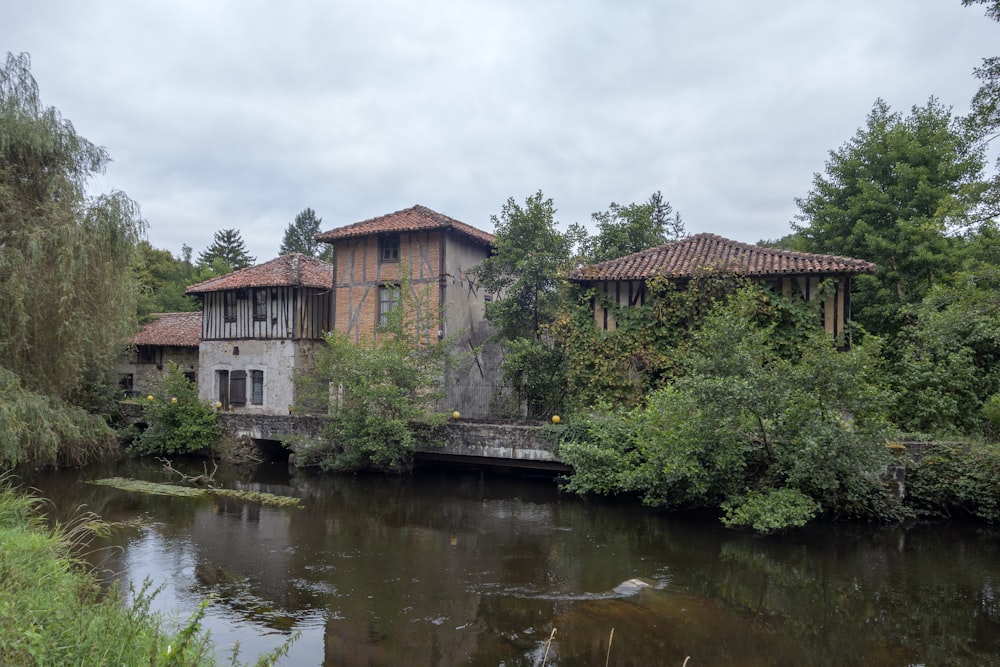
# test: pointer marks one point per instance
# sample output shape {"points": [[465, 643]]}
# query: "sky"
{"points": [[222, 114]]}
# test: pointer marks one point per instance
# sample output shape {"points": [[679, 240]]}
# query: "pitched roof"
{"points": [[171, 329], [710, 253], [293, 270], [414, 219]]}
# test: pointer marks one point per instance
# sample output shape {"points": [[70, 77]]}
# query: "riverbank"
{"points": [[54, 612]]}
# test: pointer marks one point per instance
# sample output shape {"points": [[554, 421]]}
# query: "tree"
{"points": [[163, 279], [380, 394], [228, 247], [984, 116], [522, 276], [300, 236], [66, 281], [772, 433], [623, 230], [896, 194]]}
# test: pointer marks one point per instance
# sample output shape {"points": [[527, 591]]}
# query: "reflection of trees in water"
{"points": [[908, 595], [447, 567]]}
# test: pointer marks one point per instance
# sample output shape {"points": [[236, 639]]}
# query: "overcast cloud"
{"points": [[241, 113]]}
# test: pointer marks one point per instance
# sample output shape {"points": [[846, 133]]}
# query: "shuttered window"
{"points": [[238, 387]]}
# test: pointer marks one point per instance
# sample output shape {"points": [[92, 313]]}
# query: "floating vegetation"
{"points": [[259, 497], [157, 489], [152, 488]]}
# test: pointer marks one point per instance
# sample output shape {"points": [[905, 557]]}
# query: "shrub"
{"points": [[178, 421], [955, 480], [379, 393], [770, 510]]}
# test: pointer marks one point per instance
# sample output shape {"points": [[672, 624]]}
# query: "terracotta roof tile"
{"points": [[171, 329], [288, 270], [417, 218], [708, 252]]}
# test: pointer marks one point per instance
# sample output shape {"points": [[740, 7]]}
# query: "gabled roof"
{"points": [[171, 329], [415, 219], [294, 270], [703, 253]]}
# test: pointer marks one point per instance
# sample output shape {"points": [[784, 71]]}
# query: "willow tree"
{"points": [[66, 256]]}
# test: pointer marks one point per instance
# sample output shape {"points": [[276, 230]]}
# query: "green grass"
{"points": [[53, 612]]}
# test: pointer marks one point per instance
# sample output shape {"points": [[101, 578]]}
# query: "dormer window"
{"points": [[388, 248]]}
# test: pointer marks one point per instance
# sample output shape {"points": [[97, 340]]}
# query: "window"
{"points": [[259, 305], [146, 354], [388, 298], [125, 384], [257, 387], [388, 248], [229, 306]]}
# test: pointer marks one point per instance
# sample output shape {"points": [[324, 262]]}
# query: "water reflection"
{"points": [[447, 567]]}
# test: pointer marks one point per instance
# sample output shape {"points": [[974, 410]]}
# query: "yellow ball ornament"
{"points": [[555, 419], [455, 414], [149, 398]]}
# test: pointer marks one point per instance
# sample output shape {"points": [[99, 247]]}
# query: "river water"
{"points": [[459, 567]]}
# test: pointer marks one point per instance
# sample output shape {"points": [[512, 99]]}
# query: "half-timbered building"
{"points": [[621, 283], [434, 253], [166, 337], [260, 326]]}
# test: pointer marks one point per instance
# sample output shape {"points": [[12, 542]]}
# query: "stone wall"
{"points": [[476, 443]]}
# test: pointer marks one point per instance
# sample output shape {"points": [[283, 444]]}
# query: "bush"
{"points": [[379, 393], [955, 480], [770, 510], [751, 409], [178, 421]]}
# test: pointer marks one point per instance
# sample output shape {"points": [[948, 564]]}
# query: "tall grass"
{"points": [[53, 612]]}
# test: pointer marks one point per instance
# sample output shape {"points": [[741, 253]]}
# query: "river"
{"points": [[453, 566]]}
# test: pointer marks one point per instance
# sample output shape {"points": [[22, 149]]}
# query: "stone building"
{"points": [[168, 337], [261, 325]]}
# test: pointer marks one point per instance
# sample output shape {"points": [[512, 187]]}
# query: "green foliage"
{"points": [[66, 285], [300, 236], [229, 248], [522, 275], [894, 195], [751, 410], [950, 480], [41, 431], [770, 510], [178, 421], [54, 612], [623, 230], [947, 362], [163, 279], [380, 395], [642, 352]]}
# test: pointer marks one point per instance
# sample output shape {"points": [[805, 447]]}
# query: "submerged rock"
{"points": [[631, 587]]}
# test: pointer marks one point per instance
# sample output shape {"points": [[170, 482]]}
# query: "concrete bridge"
{"points": [[481, 443]]}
